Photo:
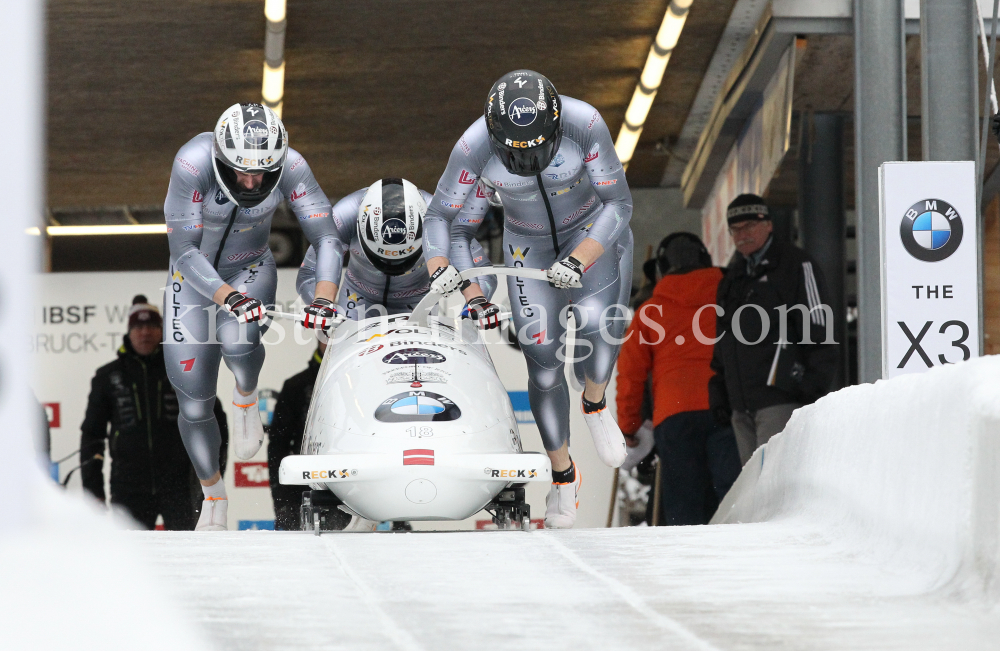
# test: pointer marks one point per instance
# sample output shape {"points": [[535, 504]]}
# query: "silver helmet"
{"points": [[249, 138]]}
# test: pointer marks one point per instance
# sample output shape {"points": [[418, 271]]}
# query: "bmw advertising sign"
{"points": [[930, 265]]}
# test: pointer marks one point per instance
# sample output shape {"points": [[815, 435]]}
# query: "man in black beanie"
{"points": [[759, 378], [150, 471]]}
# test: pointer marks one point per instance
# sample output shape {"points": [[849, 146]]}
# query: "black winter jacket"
{"points": [[287, 428], [148, 457], [751, 377]]}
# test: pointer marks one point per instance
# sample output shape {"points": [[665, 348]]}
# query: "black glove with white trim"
{"points": [[565, 273], [320, 315], [246, 309], [486, 313]]}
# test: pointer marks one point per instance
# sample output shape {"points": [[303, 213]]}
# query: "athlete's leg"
{"points": [[192, 358], [244, 355], [536, 307], [601, 313], [601, 308]]}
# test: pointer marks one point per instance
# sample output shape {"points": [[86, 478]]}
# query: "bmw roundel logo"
{"points": [[417, 406], [393, 231], [522, 111], [931, 230]]}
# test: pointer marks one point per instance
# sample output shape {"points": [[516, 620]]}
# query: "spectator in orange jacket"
{"points": [[700, 459]]}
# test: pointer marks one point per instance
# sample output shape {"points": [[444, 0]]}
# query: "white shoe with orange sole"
{"points": [[562, 502], [608, 439], [248, 431], [214, 514]]}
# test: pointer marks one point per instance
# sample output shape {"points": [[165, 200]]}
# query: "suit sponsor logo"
{"points": [[464, 145], [187, 166], [601, 184], [298, 192], [593, 120], [517, 222], [221, 198], [237, 257], [194, 227], [517, 254], [595, 151], [197, 197], [188, 364], [465, 178]]}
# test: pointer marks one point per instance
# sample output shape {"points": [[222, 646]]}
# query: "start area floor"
{"points": [[762, 586]]}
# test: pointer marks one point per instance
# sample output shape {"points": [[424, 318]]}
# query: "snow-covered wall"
{"points": [[904, 472]]}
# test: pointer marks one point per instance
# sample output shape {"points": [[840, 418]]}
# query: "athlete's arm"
{"points": [[313, 211], [191, 178], [607, 177], [468, 158]]}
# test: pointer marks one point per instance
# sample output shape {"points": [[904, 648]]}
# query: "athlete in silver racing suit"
{"points": [[365, 287], [219, 256], [567, 208]]}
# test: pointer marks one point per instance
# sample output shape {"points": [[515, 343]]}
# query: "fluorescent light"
{"points": [[273, 88], [651, 78], [120, 229], [274, 10]]}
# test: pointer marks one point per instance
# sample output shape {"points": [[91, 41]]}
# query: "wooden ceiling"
{"points": [[372, 89]]}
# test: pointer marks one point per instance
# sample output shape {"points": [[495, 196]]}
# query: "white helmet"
{"points": [[390, 225], [249, 138]]}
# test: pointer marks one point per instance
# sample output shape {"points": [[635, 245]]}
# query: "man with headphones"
{"points": [[699, 457]]}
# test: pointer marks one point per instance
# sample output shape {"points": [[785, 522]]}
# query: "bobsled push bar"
{"points": [[423, 308]]}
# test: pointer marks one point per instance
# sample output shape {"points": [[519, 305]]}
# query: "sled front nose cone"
{"points": [[421, 491]]}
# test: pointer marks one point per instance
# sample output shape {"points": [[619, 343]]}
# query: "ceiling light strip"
{"points": [[273, 86], [118, 229], [652, 76]]}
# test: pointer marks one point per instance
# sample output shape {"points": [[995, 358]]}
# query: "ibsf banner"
{"points": [[930, 271]]}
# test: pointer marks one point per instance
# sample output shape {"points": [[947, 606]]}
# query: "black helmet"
{"points": [[390, 225], [682, 252], [249, 138], [522, 116]]}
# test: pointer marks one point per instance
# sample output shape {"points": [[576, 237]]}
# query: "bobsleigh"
{"points": [[409, 421]]}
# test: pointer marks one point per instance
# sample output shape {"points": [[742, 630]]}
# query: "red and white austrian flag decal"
{"points": [[418, 457]]}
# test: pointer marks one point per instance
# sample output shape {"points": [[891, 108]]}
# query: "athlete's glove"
{"points": [[486, 313], [565, 273], [445, 280], [320, 315], [245, 308]]}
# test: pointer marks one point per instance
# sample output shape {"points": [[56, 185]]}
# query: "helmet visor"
{"points": [[526, 161]]}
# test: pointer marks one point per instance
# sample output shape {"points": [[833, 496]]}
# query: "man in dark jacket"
{"points": [[285, 438], [150, 471], [764, 371]]}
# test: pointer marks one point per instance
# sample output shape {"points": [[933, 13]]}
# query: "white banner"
{"points": [[930, 277]]}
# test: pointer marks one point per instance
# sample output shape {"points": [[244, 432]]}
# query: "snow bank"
{"points": [[906, 472], [70, 580]]}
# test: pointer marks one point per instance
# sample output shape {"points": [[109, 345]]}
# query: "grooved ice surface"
{"points": [[750, 586]]}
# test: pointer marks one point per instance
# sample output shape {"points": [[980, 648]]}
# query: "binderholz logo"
{"points": [[931, 230]]}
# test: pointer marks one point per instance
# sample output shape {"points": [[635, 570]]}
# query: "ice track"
{"points": [[752, 586], [871, 522]]}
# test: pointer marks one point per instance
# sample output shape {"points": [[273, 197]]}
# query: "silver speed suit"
{"points": [[212, 242], [581, 194], [365, 288]]}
